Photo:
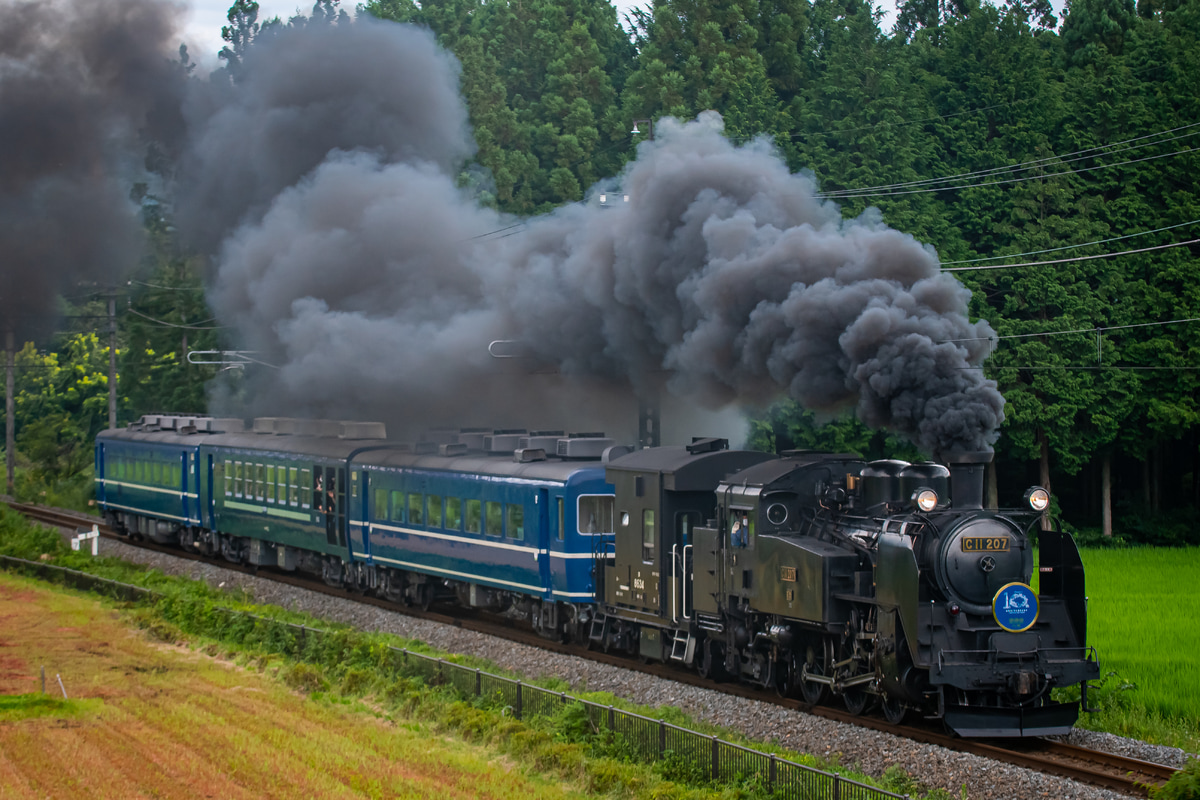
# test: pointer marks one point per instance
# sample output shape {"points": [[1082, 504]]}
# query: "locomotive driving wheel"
{"points": [[814, 664], [893, 709]]}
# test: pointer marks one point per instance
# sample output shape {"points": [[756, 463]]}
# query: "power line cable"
{"points": [[173, 325], [1069, 246], [1096, 168], [167, 288], [1069, 260], [1063, 158]]}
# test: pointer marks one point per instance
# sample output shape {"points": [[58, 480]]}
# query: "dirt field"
{"points": [[148, 720]]}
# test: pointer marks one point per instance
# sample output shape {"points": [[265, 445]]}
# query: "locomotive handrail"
{"points": [[674, 584], [686, 616]]}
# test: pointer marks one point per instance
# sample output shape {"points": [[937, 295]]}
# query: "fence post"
{"points": [[771, 774], [478, 682], [441, 669], [518, 708], [837, 787], [612, 719], [662, 738], [716, 756]]}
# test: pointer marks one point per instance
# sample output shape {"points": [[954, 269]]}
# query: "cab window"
{"points": [[648, 534]]}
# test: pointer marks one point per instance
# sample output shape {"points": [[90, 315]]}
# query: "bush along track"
{"points": [[401, 679]]}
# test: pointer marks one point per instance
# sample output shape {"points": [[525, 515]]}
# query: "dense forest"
{"points": [[1051, 162]]}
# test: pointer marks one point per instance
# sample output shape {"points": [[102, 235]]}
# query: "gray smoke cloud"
{"points": [[372, 87], [375, 285], [83, 86]]}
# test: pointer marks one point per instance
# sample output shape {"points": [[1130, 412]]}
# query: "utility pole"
{"points": [[112, 360], [10, 408]]}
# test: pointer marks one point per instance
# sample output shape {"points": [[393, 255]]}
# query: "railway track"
{"points": [[1119, 773]]}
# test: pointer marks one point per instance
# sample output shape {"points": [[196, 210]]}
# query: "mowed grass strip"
{"points": [[153, 720], [1143, 608]]}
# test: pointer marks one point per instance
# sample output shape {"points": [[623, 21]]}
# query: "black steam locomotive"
{"points": [[882, 582]]}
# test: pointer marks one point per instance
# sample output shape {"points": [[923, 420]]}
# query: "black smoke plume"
{"points": [[84, 85], [368, 278]]}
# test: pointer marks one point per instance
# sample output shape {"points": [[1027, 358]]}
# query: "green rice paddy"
{"points": [[1144, 621]]}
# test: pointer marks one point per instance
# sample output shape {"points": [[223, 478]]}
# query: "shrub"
{"points": [[305, 678], [1183, 785]]}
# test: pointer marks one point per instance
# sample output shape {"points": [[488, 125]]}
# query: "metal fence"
{"points": [[646, 738]]}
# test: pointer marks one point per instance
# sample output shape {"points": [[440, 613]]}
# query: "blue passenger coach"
{"points": [[508, 522]]}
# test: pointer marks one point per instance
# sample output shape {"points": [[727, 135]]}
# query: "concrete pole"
{"points": [[10, 408], [112, 360]]}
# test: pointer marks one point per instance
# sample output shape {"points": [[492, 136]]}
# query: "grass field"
{"points": [[153, 720], [1144, 621]]}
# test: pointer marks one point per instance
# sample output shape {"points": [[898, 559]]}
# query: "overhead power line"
{"points": [[174, 325], [1069, 246], [1090, 152], [1069, 260]]}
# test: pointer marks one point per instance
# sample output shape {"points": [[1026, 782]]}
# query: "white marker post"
{"points": [[93, 534]]}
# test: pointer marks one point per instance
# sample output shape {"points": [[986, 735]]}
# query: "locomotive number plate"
{"points": [[985, 544]]}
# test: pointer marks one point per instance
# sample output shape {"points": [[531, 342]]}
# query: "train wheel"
{"points": [[787, 676], [894, 709], [711, 664], [813, 692], [856, 700]]}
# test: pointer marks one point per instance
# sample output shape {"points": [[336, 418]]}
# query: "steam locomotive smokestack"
{"points": [[966, 478]]}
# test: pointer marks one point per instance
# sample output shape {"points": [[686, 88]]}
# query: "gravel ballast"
{"points": [[862, 749]]}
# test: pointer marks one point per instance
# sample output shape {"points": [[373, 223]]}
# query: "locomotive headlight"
{"points": [[925, 499], [1037, 498]]}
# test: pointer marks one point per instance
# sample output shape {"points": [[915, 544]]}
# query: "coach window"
{"points": [[260, 474], [453, 514], [156, 473], [248, 480], [380, 509], [416, 509], [281, 494], [305, 488], [474, 515], [397, 507], [293, 486], [561, 526], [354, 483], [435, 511], [270, 496], [495, 519], [515, 519], [237, 479], [648, 534], [176, 475], [595, 514]]}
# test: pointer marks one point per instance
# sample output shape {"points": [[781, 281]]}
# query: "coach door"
{"points": [[329, 493]]}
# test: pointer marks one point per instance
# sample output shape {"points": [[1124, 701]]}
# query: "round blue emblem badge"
{"points": [[1015, 607]]}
